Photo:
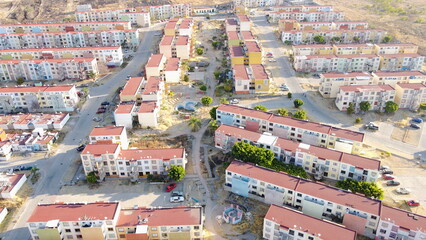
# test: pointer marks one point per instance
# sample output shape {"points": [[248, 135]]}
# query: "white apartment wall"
{"points": [[148, 119], [172, 76], [124, 119], [15, 189]]}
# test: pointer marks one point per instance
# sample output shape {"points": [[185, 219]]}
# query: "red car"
{"points": [[388, 177], [170, 187], [413, 203], [101, 110]]}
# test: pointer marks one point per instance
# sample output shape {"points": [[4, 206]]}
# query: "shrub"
{"points": [[199, 51], [260, 108], [369, 189], [391, 107], [212, 112], [282, 112], [350, 110], [298, 103], [203, 87], [206, 100], [289, 95], [300, 114], [358, 120]]}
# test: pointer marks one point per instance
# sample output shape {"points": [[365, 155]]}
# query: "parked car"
{"points": [[105, 103], [316, 75], [393, 183], [284, 87], [387, 171], [417, 120], [176, 199], [388, 177], [413, 203], [170, 187], [101, 110], [22, 168], [272, 60], [371, 126], [234, 101], [128, 77], [97, 119], [415, 126], [384, 167], [81, 147], [177, 193], [403, 191]]}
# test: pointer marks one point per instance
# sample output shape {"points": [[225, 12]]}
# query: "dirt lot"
{"points": [[13, 205], [406, 24]]}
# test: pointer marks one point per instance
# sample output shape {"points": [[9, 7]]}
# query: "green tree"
{"points": [[20, 80], [194, 123], [199, 51], [365, 106], [387, 39], [203, 88], [335, 39], [176, 172], [212, 112], [289, 95], [319, 39], [369, 189], [248, 153], [91, 75], [282, 112], [223, 101], [260, 108], [216, 75], [351, 109], [215, 44], [298, 103], [356, 39], [206, 100], [391, 107], [300, 114], [422, 106], [213, 125], [186, 78], [91, 178]]}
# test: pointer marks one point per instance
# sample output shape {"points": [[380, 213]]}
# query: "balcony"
{"points": [[275, 189], [313, 200], [355, 213]]}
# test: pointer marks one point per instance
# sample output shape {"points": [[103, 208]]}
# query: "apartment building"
{"points": [[138, 90], [334, 36], [231, 25], [250, 79], [289, 128], [401, 62], [257, 3], [185, 27], [36, 141], [291, 24], [396, 48], [155, 66], [5, 150], [170, 27], [356, 212], [337, 63], [318, 161], [244, 23], [123, 115], [153, 90], [376, 95], [61, 98], [348, 49], [236, 53], [233, 38], [317, 49], [246, 36], [48, 69], [393, 78], [170, 11], [111, 56], [108, 135], [410, 95], [109, 160], [64, 27], [74, 221], [176, 47], [303, 8], [326, 16], [396, 223], [172, 70], [131, 90], [10, 184], [132, 15], [29, 121], [104, 38], [148, 114], [330, 83], [286, 223], [165, 223], [253, 53], [337, 49]]}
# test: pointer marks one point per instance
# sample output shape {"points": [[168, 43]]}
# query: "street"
{"points": [[53, 169]]}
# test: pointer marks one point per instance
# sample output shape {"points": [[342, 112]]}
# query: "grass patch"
{"points": [[35, 177]]}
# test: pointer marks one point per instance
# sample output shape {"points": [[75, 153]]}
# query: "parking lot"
{"points": [[130, 194]]}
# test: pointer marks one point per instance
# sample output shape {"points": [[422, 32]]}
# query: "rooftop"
{"points": [[236, 51], [399, 74], [292, 219], [99, 149], [231, 21], [60, 49], [67, 33], [11, 181], [166, 40], [170, 25], [152, 85], [124, 108], [415, 86], [362, 88], [240, 72], [107, 131], [172, 64], [74, 212], [347, 75], [232, 35], [314, 46], [243, 18], [182, 40], [252, 46], [147, 107], [154, 60], [412, 55], [403, 219], [64, 24], [50, 60], [132, 86], [160, 153], [247, 35], [176, 216], [60, 88], [259, 71]]}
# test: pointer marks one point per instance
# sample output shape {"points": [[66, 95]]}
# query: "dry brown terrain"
{"points": [[404, 20]]}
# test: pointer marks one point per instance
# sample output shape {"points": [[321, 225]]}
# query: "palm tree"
{"points": [[194, 123]]}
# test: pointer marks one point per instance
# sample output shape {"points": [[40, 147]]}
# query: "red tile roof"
{"points": [[252, 46], [171, 25], [243, 18], [259, 71], [415, 86], [107, 131], [54, 60], [64, 24], [314, 46], [240, 72], [154, 60], [74, 212], [166, 40], [61, 88], [403, 218], [182, 40], [152, 85], [172, 64], [147, 107], [99, 149], [327, 56], [132, 86], [357, 45], [412, 55], [232, 35], [362, 88], [231, 21], [60, 49], [346, 75], [247, 35], [236, 51], [292, 219], [66, 33], [357, 56], [177, 216], [313, 126], [124, 108], [399, 74], [396, 44], [159, 153], [12, 181]]}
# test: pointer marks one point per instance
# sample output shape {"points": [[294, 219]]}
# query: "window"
{"points": [[110, 229], [300, 234], [153, 229], [291, 232], [196, 227], [67, 230], [155, 235], [77, 230]]}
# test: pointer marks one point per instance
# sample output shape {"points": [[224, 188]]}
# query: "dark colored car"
{"points": [[415, 126], [392, 183], [81, 147], [417, 120], [105, 103], [387, 171], [170, 187]]}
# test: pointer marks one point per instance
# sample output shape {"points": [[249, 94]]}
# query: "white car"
{"points": [[176, 199], [284, 87], [403, 191], [234, 101], [272, 60]]}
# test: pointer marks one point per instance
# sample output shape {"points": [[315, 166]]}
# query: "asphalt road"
{"points": [[53, 169]]}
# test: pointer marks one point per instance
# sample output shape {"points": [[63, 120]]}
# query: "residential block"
{"points": [[133, 15], [155, 66], [401, 62], [330, 83], [250, 79], [109, 134], [337, 63], [176, 46], [410, 95], [310, 16], [376, 95], [29, 121], [393, 78], [10, 184]]}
